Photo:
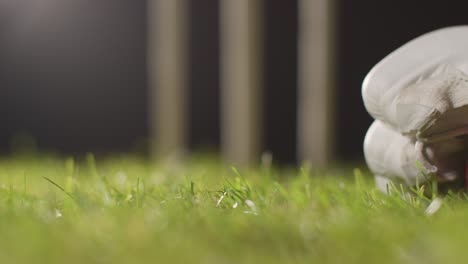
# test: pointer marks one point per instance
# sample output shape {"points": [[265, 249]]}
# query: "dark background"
{"points": [[73, 73]]}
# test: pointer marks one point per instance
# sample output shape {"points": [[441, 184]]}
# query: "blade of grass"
{"points": [[60, 188]]}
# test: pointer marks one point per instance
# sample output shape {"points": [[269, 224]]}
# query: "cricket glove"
{"points": [[419, 97]]}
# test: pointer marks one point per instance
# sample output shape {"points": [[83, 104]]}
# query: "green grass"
{"points": [[126, 210]]}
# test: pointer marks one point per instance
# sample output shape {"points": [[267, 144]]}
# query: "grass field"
{"points": [[125, 210]]}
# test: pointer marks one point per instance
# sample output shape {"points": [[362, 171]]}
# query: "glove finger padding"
{"points": [[420, 94], [391, 155]]}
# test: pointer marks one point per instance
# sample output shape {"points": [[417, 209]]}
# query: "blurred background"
{"points": [[82, 75]]}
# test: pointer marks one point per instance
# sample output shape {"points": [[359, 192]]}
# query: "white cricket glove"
{"points": [[419, 97]]}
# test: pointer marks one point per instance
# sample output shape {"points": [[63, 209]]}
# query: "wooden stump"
{"points": [[241, 54], [316, 88], [167, 64]]}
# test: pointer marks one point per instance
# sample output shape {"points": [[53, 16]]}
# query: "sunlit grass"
{"points": [[128, 210]]}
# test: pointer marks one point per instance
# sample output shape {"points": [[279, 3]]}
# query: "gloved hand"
{"points": [[419, 97]]}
